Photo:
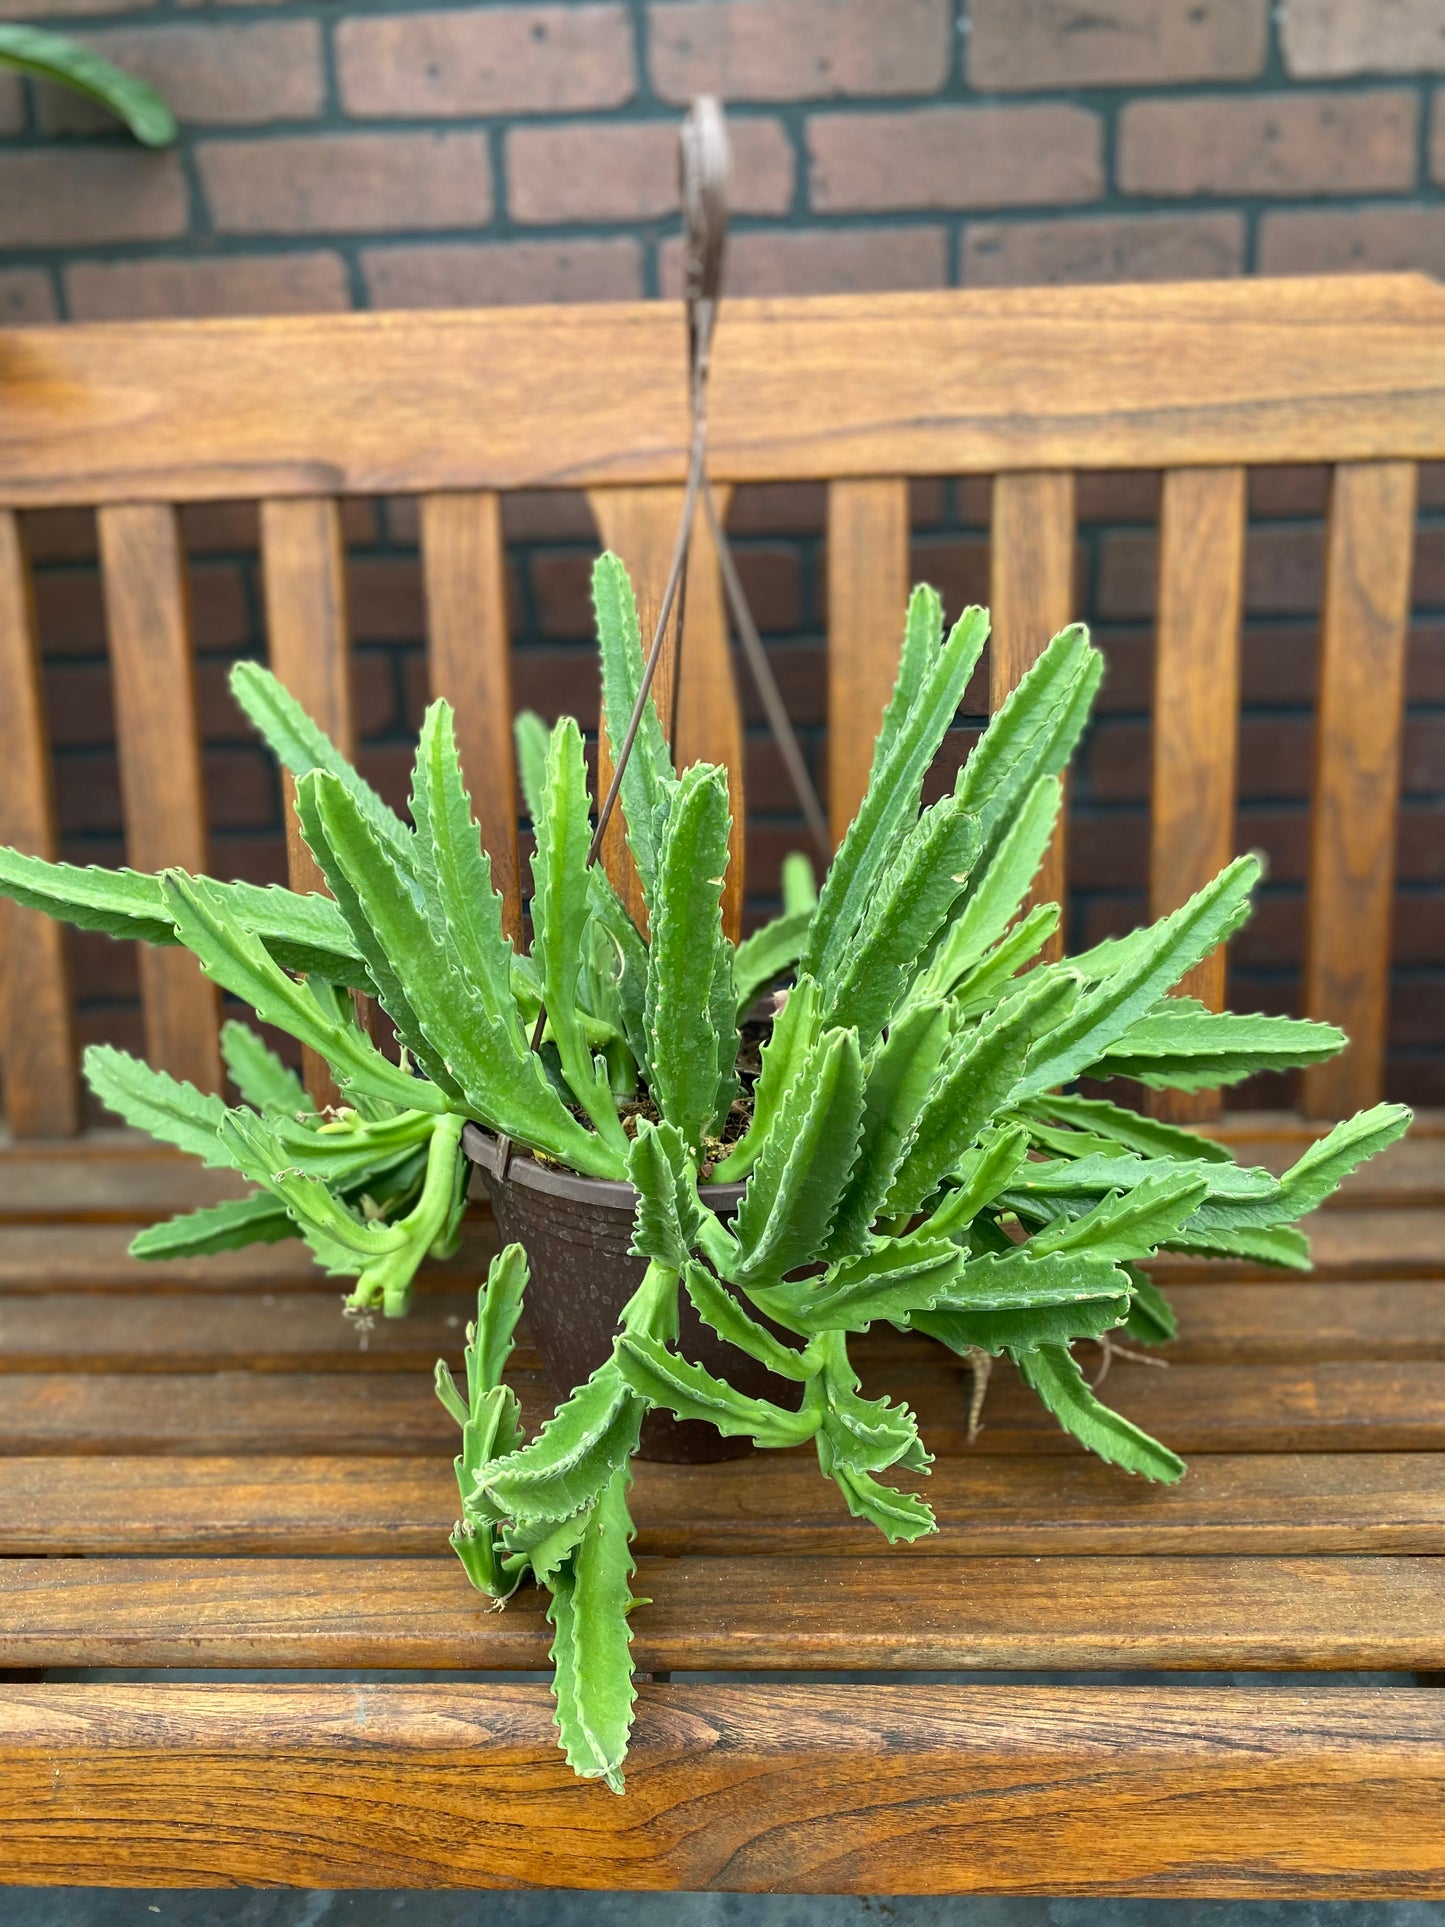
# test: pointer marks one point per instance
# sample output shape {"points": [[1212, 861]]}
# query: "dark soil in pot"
{"points": [[576, 1232]]}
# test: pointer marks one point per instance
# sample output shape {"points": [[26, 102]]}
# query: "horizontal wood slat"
{"points": [[271, 1331], [738, 1614], [37, 1032], [119, 1175], [774, 1503], [298, 1329], [1359, 722], [1389, 1242], [132, 1188], [1346, 1244], [1356, 1406], [47, 1257], [762, 1788], [158, 745], [1307, 370]]}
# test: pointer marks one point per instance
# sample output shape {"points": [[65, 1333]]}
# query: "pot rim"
{"points": [[552, 1180]]}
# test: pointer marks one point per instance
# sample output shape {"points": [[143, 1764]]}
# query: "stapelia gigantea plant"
{"points": [[910, 1153]]}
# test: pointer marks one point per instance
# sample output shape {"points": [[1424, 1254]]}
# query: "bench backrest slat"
{"points": [[1369, 553], [1028, 387], [42, 1097], [1310, 370], [708, 717], [867, 597], [1032, 597], [1196, 711], [147, 616], [640, 525], [469, 662], [303, 568]]}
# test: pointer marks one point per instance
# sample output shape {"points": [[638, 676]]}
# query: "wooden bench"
{"points": [[202, 1471]]}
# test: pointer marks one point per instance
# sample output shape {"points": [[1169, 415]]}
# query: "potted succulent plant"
{"points": [[703, 1240]]}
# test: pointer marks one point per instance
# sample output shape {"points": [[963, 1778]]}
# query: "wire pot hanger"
{"points": [[706, 166]]}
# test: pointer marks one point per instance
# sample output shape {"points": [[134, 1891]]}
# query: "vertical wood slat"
{"points": [[159, 749], [1369, 552], [640, 525], [303, 564], [469, 662], [1031, 597], [1196, 716], [867, 606], [42, 1094]]}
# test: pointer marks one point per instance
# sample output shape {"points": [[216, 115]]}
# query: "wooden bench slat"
{"points": [[867, 601], [291, 1329], [747, 1787], [1360, 717], [1356, 1406], [120, 1176], [738, 1614], [1031, 597], [89, 1257], [1390, 1242], [128, 1191], [701, 714], [469, 661], [1251, 1324], [303, 559], [270, 1331], [709, 726], [158, 745], [1294, 1504], [1387, 1241], [1196, 715], [1310, 370], [37, 1037], [1411, 1172]]}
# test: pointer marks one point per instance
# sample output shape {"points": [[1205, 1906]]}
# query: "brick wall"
{"points": [[382, 155]]}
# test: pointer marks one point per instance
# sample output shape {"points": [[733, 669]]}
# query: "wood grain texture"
{"points": [[259, 1331], [161, 783], [749, 1788], [464, 567], [1022, 1507], [1300, 370], [121, 1187], [1412, 1171], [867, 602], [1196, 716], [304, 568], [118, 1175], [1387, 1242], [1359, 719], [37, 1032], [698, 701], [1363, 1405], [295, 1325], [740, 1614], [1031, 597], [36, 1259]]}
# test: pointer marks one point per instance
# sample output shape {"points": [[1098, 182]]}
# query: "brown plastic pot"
{"points": [[576, 1232]]}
